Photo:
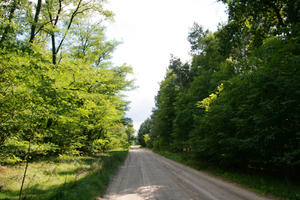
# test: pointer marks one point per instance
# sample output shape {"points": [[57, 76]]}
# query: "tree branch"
{"points": [[75, 12], [36, 18]]}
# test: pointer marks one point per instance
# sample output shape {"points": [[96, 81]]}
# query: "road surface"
{"points": [[148, 176]]}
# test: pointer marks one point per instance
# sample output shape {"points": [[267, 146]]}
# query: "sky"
{"points": [[149, 32]]}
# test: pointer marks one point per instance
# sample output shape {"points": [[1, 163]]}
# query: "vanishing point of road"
{"points": [[148, 176]]}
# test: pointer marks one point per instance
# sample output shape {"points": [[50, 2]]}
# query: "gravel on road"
{"points": [[148, 176]]}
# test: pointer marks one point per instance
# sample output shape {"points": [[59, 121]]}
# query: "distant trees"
{"points": [[58, 90], [143, 130], [236, 104]]}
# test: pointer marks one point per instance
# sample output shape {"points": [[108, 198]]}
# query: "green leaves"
{"points": [[143, 130], [206, 103], [73, 105], [236, 105]]}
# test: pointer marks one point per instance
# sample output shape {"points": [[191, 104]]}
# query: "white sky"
{"points": [[150, 31]]}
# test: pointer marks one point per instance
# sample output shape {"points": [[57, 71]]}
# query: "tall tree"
{"points": [[144, 129], [164, 113], [74, 106]]}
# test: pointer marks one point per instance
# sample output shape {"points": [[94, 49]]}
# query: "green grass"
{"points": [[63, 178], [136, 146], [280, 188]]}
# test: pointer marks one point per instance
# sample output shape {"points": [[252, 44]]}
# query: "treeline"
{"points": [[236, 104], [58, 91]]}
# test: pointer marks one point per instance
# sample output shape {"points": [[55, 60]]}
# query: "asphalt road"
{"points": [[148, 176]]}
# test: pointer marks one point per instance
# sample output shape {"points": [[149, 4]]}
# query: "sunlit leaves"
{"points": [[75, 104], [239, 108], [206, 103]]}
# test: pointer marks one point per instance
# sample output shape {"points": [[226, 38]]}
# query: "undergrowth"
{"points": [[62, 178]]}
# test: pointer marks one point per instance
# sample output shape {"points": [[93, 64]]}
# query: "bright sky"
{"points": [[150, 31]]}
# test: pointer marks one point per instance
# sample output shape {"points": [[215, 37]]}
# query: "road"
{"points": [[148, 176]]}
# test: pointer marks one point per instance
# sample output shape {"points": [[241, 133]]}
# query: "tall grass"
{"points": [[63, 178]]}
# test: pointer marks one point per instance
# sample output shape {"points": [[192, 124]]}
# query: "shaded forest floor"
{"points": [[267, 184], [65, 177]]}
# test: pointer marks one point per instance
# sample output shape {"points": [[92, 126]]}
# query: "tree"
{"points": [[8, 10], [258, 20], [164, 113], [74, 106], [236, 106], [62, 20], [196, 38], [145, 128]]}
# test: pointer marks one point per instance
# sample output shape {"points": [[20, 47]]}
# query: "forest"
{"points": [[236, 105], [59, 92], [63, 108], [63, 124]]}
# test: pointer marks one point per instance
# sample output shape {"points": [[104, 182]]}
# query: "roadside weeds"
{"points": [[66, 177]]}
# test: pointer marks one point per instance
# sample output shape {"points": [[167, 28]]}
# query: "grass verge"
{"points": [[63, 178], [261, 183]]}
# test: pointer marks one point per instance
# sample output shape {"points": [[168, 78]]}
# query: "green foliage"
{"points": [[129, 130], [164, 115], [144, 129], [236, 106], [255, 115], [100, 145], [147, 140], [208, 101], [258, 20], [65, 177], [60, 99]]}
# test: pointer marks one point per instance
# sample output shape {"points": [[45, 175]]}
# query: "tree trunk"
{"points": [[36, 18], [25, 171], [53, 48]]}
